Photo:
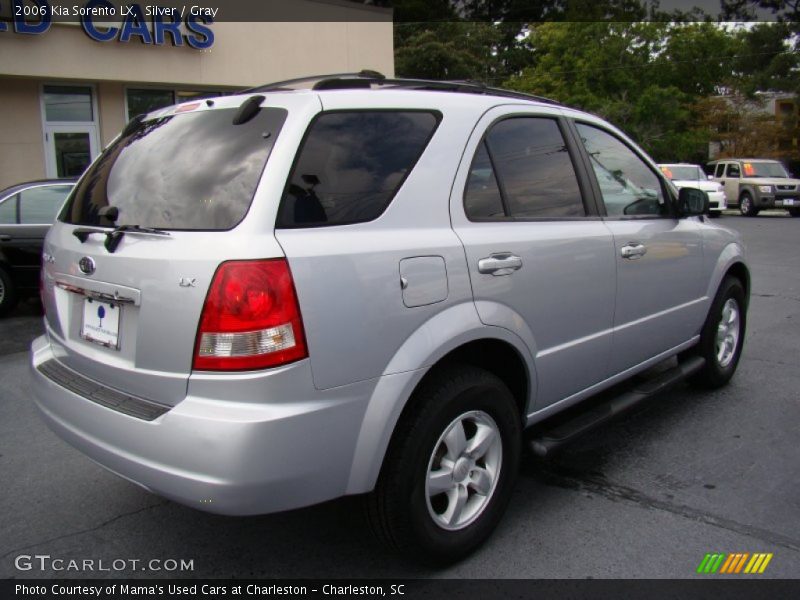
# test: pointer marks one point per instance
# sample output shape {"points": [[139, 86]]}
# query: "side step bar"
{"points": [[546, 441]]}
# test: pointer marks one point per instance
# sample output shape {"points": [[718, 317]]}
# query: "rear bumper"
{"points": [[251, 451]]}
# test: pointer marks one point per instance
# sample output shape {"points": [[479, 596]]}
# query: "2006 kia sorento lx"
{"points": [[264, 301]]}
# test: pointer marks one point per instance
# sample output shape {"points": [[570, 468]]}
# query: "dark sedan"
{"points": [[26, 213]]}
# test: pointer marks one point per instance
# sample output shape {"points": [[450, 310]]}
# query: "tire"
{"points": [[746, 205], [795, 212], [720, 366], [8, 293], [421, 524]]}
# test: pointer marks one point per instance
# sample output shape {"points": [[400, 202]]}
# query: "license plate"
{"points": [[788, 201], [101, 322]]}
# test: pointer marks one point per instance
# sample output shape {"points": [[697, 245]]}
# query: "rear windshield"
{"points": [[192, 171], [351, 165]]}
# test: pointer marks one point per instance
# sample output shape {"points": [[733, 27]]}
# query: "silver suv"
{"points": [[371, 286]]}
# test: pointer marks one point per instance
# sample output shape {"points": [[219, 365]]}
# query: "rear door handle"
{"points": [[502, 263], [5, 238], [633, 251]]}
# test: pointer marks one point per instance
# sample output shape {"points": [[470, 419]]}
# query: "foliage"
{"points": [[653, 74]]}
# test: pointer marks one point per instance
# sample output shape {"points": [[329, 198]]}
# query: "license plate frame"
{"points": [[100, 322]]}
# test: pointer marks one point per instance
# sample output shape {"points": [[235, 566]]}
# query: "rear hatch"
{"points": [[129, 261]]}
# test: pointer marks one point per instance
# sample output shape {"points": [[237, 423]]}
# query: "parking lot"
{"points": [[646, 496]]}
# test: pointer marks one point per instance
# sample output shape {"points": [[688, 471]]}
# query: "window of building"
{"points": [[69, 115], [144, 100], [351, 165], [68, 103], [628, 185]]}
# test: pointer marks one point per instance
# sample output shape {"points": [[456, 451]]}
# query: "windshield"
{"points": [[191, 171], [683, 172], [764, 169]]}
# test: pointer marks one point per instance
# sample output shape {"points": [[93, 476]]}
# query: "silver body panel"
{"points": [[381, 302]]}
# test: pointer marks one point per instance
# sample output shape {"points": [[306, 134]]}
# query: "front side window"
{"points": [[628, 186], [351, 164], [720, 172], [39, 205]]}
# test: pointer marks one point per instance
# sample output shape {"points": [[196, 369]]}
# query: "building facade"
{"points": [[65, 95]]}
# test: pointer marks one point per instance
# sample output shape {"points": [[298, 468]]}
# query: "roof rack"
{"points": [[373, 79]]}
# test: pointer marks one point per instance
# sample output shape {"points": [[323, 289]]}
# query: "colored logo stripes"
{"points": [[737, 562]]}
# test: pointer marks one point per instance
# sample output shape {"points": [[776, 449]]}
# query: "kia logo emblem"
{"points": [[86, 265]]}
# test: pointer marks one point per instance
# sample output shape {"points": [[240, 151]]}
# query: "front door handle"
{"points": [[5, 238], [633, 251], [502, 263]]}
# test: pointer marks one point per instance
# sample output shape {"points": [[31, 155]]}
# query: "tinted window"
{"points": [[351, 164], [8, 210], [534, 168], [39, 205], [720, 169], [187, 171], [482, 198], [733, 170], [629, 187]]}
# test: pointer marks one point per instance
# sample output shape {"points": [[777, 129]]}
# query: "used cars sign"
{"points": [[104, 22]]}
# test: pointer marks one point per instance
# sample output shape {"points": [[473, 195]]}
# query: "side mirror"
{"points": [[692, 202]]}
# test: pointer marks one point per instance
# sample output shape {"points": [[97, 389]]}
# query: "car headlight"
{"points": [[765, 189]]}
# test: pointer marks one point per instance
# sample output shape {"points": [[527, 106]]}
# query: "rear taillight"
{"points": [[251, 319]]}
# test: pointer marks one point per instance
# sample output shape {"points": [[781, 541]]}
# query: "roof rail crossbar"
{"points": [[465, 86], [286, 84], [367, 79]]}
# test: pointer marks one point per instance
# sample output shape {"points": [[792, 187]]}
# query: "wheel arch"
{"points": [[496, 349], [740, 271]]}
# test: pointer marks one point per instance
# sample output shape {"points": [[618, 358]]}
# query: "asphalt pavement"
{"points": [[646, 496]]}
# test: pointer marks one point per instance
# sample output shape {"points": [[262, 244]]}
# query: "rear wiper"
{"points": [[114, 237]]}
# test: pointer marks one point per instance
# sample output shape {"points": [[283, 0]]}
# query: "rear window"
{"points": [[351, 165], [191, 171]]}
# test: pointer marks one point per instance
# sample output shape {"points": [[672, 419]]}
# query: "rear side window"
{"points": [[39, 205], [190, 171], [733, 170], [482, 199], [530, 160], [351, 164]]}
